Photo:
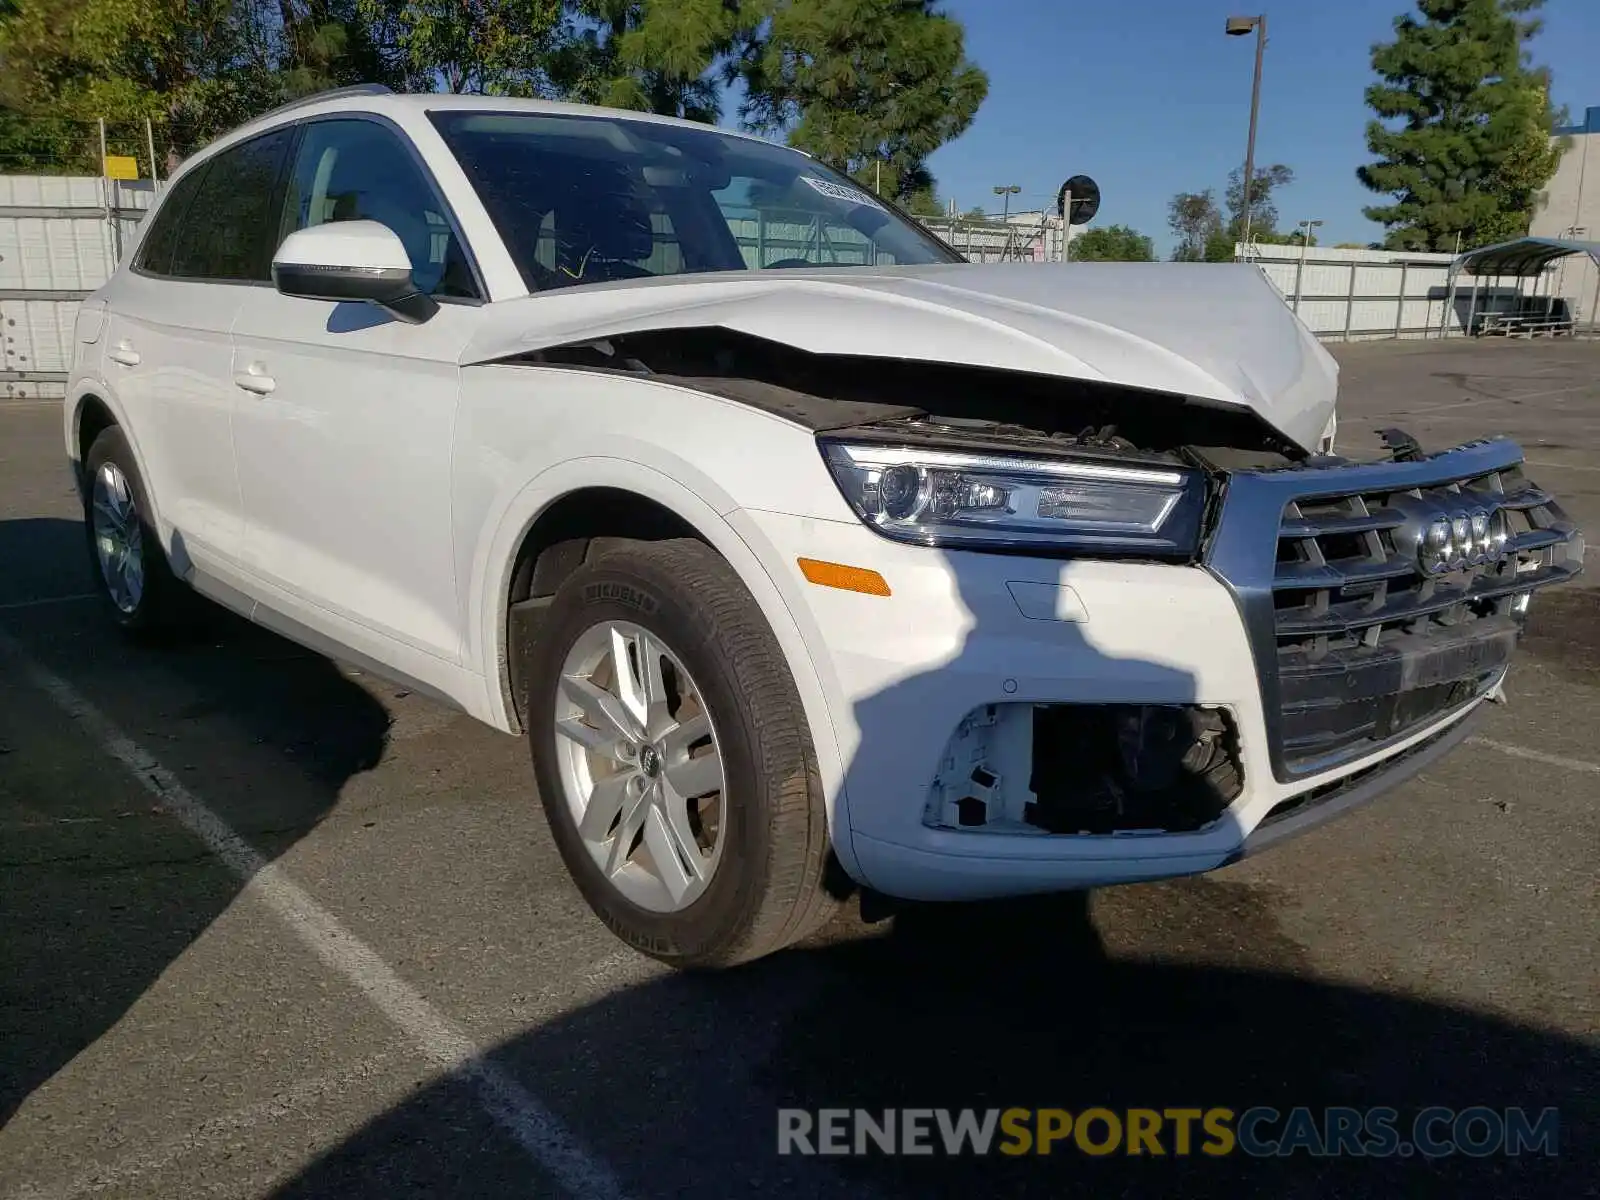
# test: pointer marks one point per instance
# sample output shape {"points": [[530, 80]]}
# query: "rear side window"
{"points": [[227, 233], [155, 252]]}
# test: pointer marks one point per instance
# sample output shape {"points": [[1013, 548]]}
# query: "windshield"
{"points": [[581, 199]]}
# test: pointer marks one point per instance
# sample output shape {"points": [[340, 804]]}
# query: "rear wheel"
{"points": [[673, 759], [130, 569]]}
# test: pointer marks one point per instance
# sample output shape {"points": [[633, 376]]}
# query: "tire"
{"points": [[773, 879], [111, 482]]}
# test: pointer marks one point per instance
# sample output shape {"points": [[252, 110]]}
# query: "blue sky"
{"points": [[1150, 98]]}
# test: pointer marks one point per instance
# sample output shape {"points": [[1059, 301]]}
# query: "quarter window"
{"points": [[226, 232], [155, 252], [359, 171]]}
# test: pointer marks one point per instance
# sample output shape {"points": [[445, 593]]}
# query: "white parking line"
{"points": [[1553, 760], [439, 1040], [207, 1135]]}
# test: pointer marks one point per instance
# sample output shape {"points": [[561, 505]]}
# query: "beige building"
{"points": [[1570, 208]]}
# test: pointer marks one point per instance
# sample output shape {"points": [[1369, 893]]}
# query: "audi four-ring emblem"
{"points": [[1451, 540]]}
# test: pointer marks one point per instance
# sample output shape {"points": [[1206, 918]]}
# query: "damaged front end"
{"points": [[1089, 769], [1378, 598]]}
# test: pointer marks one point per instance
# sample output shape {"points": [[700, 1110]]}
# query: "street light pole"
{"points": [[1007, 192], [1238, 27], [1300, 272]]}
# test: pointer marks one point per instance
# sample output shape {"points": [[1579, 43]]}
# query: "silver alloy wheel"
{"points": [[640, 765], [118, 539]]}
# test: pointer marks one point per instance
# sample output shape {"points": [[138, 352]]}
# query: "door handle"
{"points": [[256, 380], [125, 354]]}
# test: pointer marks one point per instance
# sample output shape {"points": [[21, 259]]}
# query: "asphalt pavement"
{"points": [[275, 927]]}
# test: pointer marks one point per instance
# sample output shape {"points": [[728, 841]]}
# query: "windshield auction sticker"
{"points": [[838, 191]]}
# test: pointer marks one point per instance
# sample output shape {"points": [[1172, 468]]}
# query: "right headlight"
{"points": [[997, 501]]}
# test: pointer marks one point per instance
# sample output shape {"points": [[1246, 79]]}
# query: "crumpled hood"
{"points": [[1218, 333]]}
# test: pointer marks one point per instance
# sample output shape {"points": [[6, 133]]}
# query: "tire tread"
{"points": [[795, 894]]}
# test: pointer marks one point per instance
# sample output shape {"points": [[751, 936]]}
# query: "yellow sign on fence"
{"points": [[122, 166]]}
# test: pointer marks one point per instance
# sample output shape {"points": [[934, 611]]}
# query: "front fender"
{"points": [[694, 497]]}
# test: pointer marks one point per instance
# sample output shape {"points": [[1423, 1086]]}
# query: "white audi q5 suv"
{"points": [[805, 554]]}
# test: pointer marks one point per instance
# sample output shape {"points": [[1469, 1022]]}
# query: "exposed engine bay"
{"points": [[1087, 769], [914, 401]]}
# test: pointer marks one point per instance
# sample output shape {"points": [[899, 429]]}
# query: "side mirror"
{"points": [[351, 260]]}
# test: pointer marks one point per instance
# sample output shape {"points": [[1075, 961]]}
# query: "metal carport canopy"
{"points": [[1525, 256]]}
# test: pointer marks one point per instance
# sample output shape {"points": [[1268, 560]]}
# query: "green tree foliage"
{"points": [[871, 86], [1204, 235], [498, 47], [325, 43], [661, 56], [1219, 246], [1263, 212], [66, 63], [1463, 125], [862, 82], [925, 202], [1195, 221], [1530, 160], [1113, 243], [193, 68]]}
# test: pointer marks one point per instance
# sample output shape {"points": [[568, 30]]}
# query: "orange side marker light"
{"points": [[837, 575]]}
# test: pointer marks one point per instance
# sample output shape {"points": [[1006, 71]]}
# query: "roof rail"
{"points": [[356, 89]]}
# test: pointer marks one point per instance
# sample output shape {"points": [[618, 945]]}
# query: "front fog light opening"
{"points": [[1087, 769]]}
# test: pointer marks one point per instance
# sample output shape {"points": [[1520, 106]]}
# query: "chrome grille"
{"points": [[1355, 645], [1343, 582]]}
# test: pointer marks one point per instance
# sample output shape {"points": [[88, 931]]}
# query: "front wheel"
{"points": [[673, 758]]}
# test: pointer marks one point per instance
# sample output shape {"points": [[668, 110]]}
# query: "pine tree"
{"points": [[861, 83], [1466, 144]]}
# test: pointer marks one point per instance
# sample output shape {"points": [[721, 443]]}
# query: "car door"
{"points": [[168, 352], [344, 414]]}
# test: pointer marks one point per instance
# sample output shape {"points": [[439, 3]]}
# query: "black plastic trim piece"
{"points": [[1359, 789], [390, 288]]}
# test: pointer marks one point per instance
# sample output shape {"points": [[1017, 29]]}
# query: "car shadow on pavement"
{"points": [[1184, 994], [677, 1083], [100, 888]]}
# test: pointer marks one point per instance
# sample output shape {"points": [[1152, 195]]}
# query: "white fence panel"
{"points": [[38, 333], [58, 242], [1379, 293], [57, 254]]}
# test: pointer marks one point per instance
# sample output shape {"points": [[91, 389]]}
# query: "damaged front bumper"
{"points": [[1302, 667]]}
